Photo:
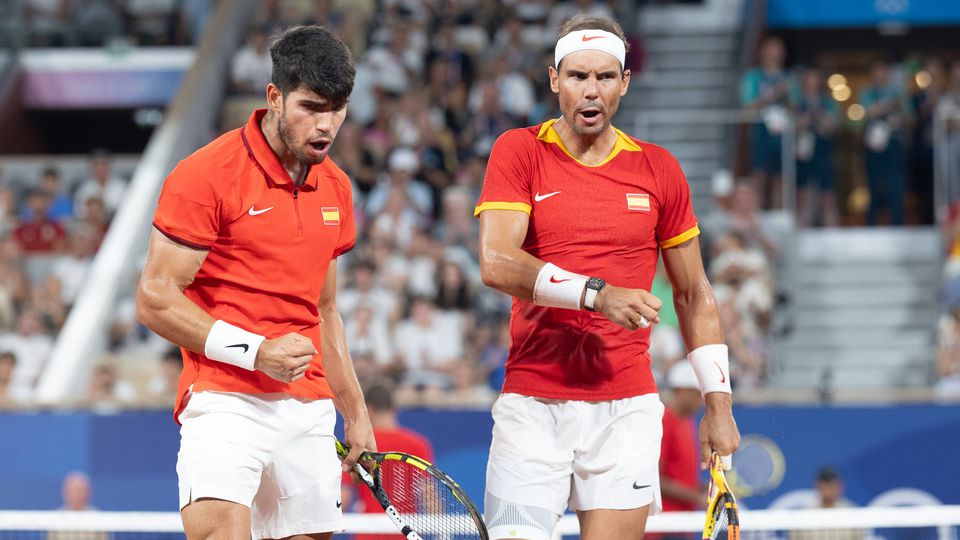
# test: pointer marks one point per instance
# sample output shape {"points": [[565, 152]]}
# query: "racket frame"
{"points": [[372, 480]]}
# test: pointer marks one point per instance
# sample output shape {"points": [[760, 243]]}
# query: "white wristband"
{"points": [[232, 345], [555, 287], [712, 366]]}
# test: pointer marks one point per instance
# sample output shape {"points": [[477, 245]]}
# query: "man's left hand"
{"points": [[718, 429]]}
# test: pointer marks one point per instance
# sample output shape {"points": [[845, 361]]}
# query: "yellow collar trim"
{"points": [[624, 143]]}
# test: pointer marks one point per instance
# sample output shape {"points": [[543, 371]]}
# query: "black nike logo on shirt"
{"points": [[635, 486], [244, 345], [339, 504]]}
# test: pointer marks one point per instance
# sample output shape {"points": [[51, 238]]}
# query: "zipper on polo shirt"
{"points": [[296, 208]]}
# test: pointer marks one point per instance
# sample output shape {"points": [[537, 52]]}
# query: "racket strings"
{"points": [[425, 502]]}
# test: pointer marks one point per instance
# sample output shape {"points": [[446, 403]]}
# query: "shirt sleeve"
{"points": [[188, 211], [348, 229], [509, 173], [676, 223]]}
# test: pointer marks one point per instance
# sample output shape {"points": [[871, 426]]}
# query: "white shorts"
{"points": [[552, 454], [270, 452]]}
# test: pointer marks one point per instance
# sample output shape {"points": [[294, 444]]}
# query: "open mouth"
{"points": [[320, 146]]}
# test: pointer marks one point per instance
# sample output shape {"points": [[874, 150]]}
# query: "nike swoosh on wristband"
{"points": [[635, 486], [553, 279], [585, 38], [723, 376], [538, 197], [244, 345], [253, 212]]}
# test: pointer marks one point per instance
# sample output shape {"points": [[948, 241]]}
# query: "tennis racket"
{"points": [[421, 500], [723, 522]]}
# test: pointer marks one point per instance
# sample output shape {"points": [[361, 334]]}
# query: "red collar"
{"points": [[260, 151]]}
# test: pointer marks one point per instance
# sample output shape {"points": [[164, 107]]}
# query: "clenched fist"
{"points": [[630, 308], [286, 358]]}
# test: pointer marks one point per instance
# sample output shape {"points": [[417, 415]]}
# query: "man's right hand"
{"points": [[286, 358], [626, 306]]}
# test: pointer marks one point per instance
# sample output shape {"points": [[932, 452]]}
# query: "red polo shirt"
{"points": [[269, 246]]}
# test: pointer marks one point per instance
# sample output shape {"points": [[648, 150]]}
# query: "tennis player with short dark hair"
{"points": [[573, 215], [242, 274]]}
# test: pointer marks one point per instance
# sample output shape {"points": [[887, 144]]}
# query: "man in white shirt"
{"points": [[102, 183]]}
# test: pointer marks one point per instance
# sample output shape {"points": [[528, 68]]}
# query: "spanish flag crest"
{"points": [[331, 215], [638, 202]]}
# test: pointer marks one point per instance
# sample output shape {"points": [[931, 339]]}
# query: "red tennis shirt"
{"points": [[609, 221], [269, 246]]}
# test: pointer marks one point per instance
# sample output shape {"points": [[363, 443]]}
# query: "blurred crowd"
{"points": [[50, 230], [437, 83], [112, 23], [892, 118]]}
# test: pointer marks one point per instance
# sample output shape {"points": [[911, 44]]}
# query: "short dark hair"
{"points": [[828, 474], [379, 396], [315, 58], [592, 22]]}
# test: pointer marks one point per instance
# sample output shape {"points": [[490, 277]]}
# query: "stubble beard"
{"points": [[289, 141]]}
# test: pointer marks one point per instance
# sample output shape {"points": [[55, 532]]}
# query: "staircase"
{"points": [[863, 311], [691, 54]]}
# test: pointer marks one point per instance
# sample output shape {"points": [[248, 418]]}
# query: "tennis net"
{"points": [[901, 523]]}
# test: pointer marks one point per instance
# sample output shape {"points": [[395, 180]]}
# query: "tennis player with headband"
{"points": [[573, 216]]}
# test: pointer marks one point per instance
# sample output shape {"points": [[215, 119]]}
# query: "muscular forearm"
{"points": [[338, 367], [510, 270], [163, 308], [698, 315]]}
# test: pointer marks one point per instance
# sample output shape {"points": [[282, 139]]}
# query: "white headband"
{"points": [[590, 40]]}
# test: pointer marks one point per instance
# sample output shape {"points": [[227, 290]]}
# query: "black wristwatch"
{"points": [[594, 285]]}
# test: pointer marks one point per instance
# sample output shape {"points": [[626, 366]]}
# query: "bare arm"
{"points": [[161, 304], [163, 308], [338, 368], [700, 325], [506, 267]]}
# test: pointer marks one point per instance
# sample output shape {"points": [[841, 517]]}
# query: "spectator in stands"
{"points": [[46, 22], [454, 292], [40, 235], [817, 122], [467, 388], [402, 167], [9, 210], [31, 346], [488, 120], [252, 67], [427, 343], [679, 447], [96, 22], [47, 299], [96, 218], [103, 184], [886, 117], [61, 205], [492, 358], [766, 89], [364, 290], [367, 334], [947, 386], [925, 101], [72, 268], [457, 227], [107, 393], [162, 387], [829, 488], [950, 102], [77, 493], [10, 394]]}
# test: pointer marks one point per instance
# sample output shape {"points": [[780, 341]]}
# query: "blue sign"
{"points": [[858, 13], [904, 453]]}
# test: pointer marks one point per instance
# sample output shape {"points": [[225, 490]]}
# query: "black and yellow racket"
{"points": [[421, 500], [723, 521]]}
